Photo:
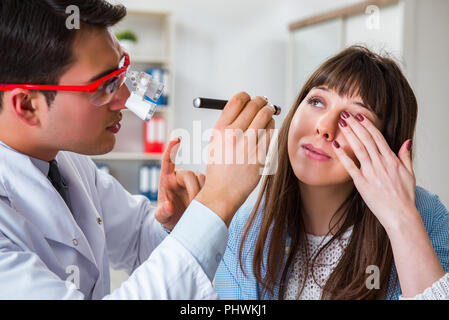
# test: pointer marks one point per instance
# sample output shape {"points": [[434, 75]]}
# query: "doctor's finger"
{"points": [[248, 113], [264, 118], [164, 212], [264, 138], [189, 180], [232, 109], [201, 179], [168, 159]]}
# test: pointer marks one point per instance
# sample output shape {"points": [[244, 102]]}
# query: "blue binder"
{"points": [[149, 181]]}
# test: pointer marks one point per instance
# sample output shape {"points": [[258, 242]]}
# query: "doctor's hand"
{"points": [[176, 188], [237, 151]]}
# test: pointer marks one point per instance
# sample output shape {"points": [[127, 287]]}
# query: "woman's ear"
{"points": [[26, 105]]}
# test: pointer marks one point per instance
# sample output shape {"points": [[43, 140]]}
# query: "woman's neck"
{"points": [[320, 203]]}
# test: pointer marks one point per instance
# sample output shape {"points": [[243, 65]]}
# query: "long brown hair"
{"points": [[380, 83]]}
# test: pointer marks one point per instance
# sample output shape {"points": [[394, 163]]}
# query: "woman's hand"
{"points": [[386, 182], [176, 188], [387, 185]]}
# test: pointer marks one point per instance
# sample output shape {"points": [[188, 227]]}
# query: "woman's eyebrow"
{"points": [[353, 102], [322, 88], [360, 104]]}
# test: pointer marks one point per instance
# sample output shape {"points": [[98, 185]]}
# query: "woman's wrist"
{"points": [[416, 262], [402, 221]]}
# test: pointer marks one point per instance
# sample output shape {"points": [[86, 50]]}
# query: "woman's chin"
{"points": [[320, 177]]}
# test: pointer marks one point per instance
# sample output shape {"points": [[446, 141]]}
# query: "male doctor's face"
{"points": [[73, 123], [316, 123]]}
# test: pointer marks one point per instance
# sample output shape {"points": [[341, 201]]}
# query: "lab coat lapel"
{"points": [[83, 208], [32, 195]]}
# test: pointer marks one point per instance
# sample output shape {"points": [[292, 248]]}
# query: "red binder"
{"points": [[154, 135]]}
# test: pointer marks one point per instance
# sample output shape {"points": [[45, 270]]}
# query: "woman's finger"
{"points": [[365, 136], [404, 156], [355, 142], [381, 143], [348, 163]]}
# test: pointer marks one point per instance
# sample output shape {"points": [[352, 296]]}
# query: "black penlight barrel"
{"points": [[217, 104], [209, 103]]}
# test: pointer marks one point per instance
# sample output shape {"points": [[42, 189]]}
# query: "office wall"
{"points": [[426, 53]]}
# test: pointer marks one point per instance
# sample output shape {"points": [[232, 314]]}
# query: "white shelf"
{"points": [[151, 13], [128, 156], [149, 60]]}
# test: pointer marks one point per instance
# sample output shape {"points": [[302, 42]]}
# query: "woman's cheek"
{"points": [[302, 125]]}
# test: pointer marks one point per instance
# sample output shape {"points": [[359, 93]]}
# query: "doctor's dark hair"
{"points": [[384, 89], [36, 47]]}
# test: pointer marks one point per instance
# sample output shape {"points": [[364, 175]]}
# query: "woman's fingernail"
{"points": [[336, 144], [266, 98], [359, 117], [345, 115], [409, 145], [342, 123]]}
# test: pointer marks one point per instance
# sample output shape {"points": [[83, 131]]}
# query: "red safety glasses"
{"points": [[101, 91]]}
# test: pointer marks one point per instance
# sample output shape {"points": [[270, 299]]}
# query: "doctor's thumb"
{"points": [[168, 207]]}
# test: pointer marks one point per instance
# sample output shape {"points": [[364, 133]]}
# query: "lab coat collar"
{"points": [[42, 165], [33, 196]]}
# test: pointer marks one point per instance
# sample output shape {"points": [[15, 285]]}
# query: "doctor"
{"points": [[63, 223]]}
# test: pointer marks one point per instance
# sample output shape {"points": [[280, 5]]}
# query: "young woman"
{"points": [[342, 217]]}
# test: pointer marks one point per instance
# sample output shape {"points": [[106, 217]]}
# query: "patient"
{"points": [[342, 217]]}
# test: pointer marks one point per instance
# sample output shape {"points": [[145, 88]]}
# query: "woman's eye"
{"points": [[314, 102]]}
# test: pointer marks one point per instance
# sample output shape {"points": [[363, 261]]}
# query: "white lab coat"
{"points": [[46, 253]]}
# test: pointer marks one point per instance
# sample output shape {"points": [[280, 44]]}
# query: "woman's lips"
{"points": [[311, 153]]}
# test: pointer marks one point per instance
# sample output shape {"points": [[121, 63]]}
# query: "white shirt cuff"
{"points": [[438, 291]]}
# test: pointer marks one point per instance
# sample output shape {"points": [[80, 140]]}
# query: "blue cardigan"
{"points": [[232, 284]]}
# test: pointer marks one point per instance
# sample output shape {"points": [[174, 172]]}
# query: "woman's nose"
{"points": [[327, 126]]}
